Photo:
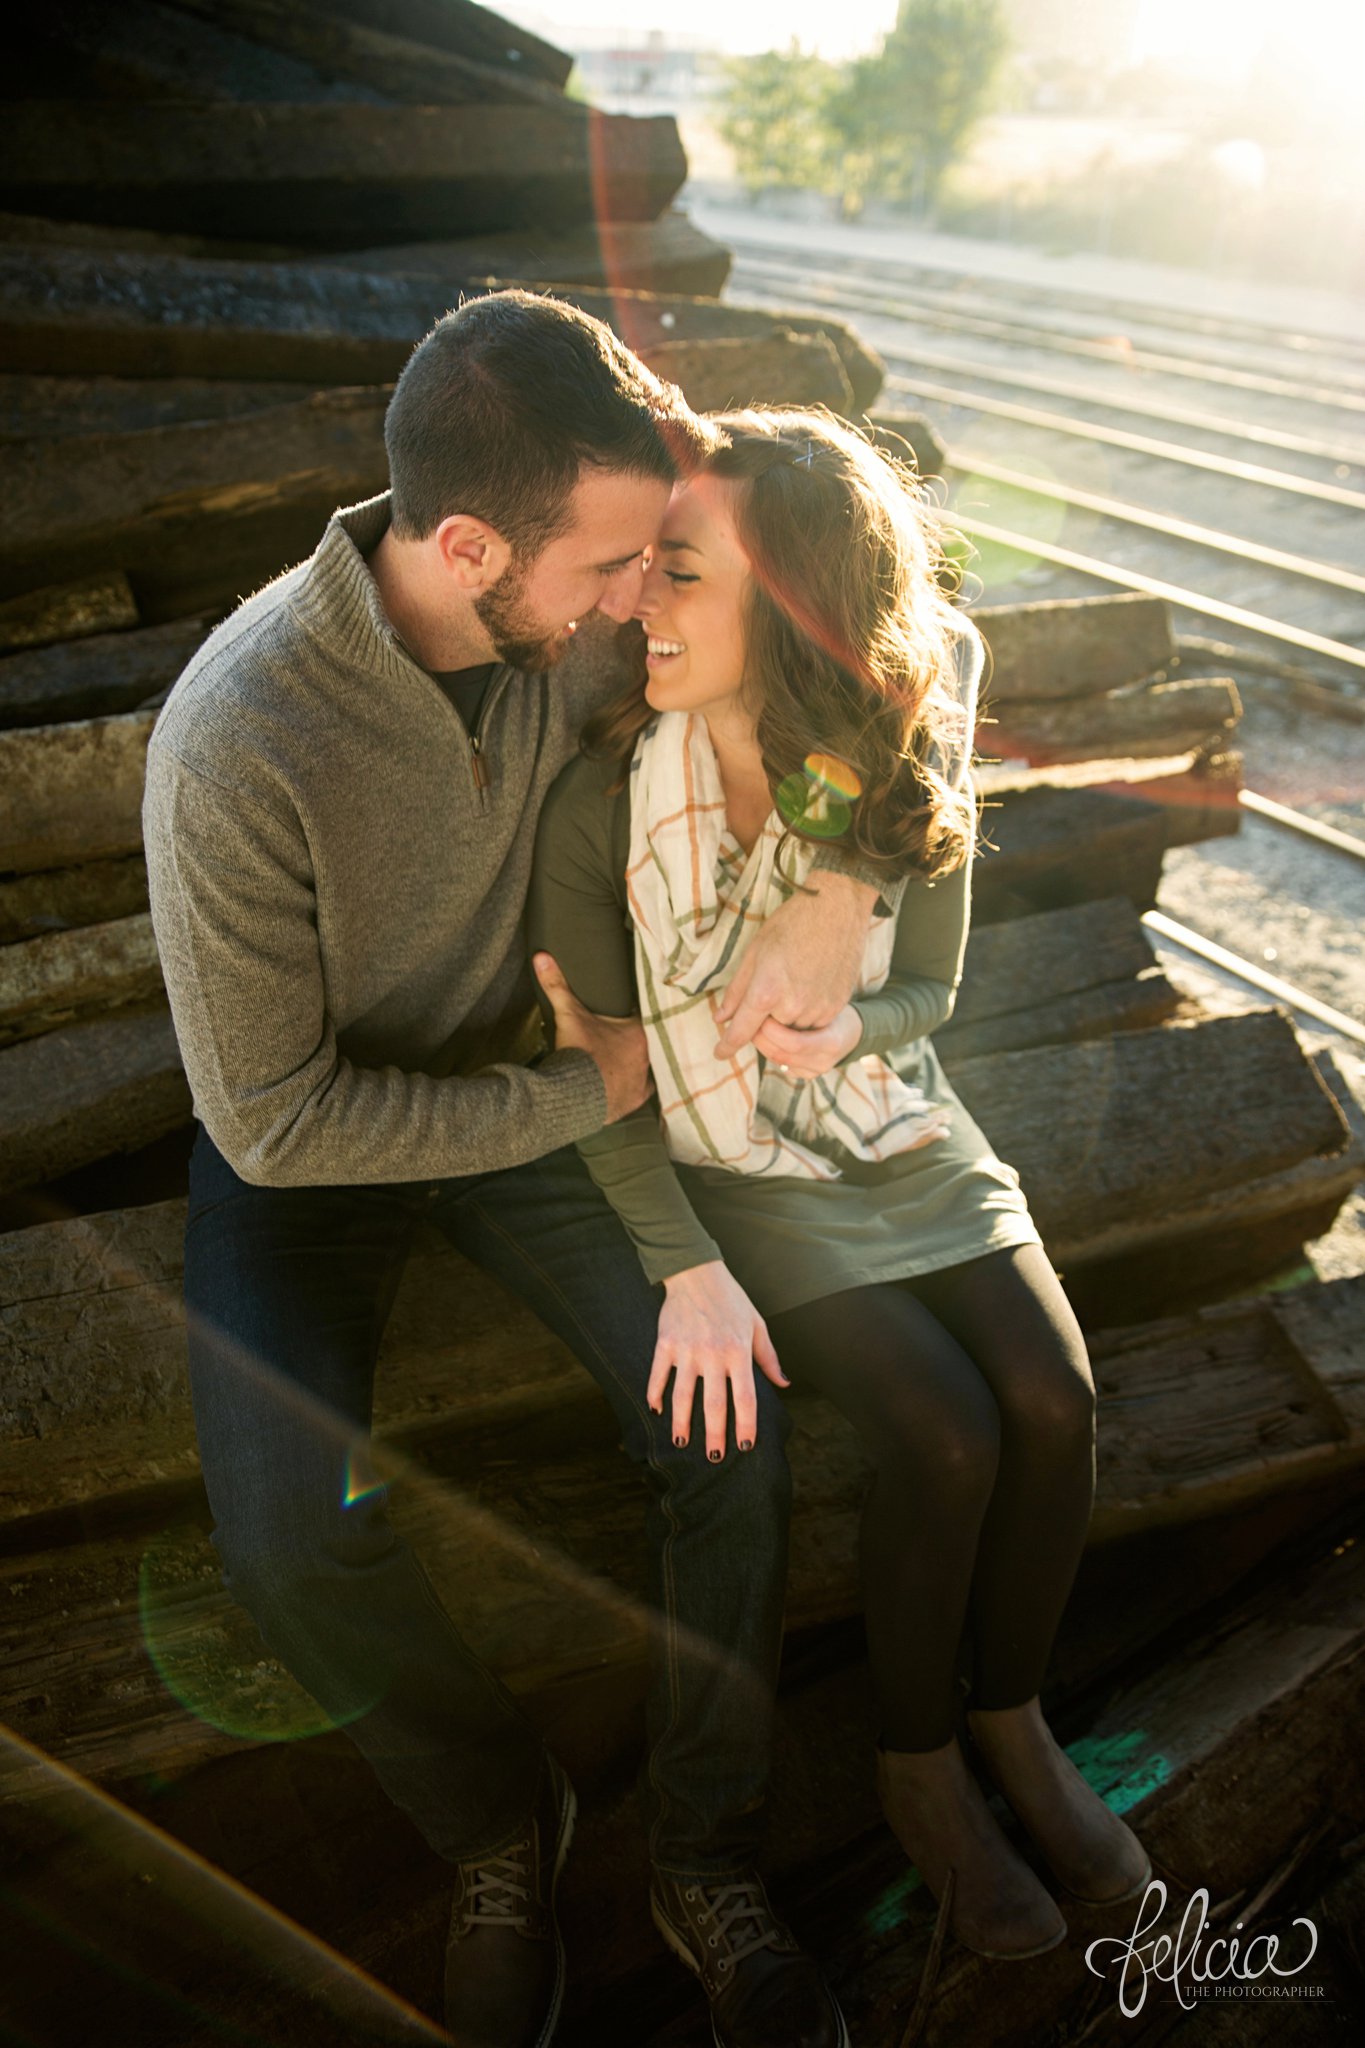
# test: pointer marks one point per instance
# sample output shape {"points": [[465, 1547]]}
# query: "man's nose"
{"points": [[621, 598]]}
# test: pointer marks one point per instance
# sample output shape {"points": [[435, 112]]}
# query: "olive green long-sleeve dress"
{"points": [[786, 1240]]}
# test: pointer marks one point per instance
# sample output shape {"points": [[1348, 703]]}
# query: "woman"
{"points": [[824, 1199]]}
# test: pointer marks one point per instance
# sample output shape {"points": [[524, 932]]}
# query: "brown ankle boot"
{"points": [[999, 1907]]}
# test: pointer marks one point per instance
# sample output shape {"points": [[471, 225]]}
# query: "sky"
{"points": [[1204, 37]]}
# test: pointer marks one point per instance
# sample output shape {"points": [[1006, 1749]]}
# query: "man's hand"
{"points": [[801, 967], [710, 1331], [616, 1043]]}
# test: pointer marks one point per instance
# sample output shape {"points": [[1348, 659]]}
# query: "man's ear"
{"points": [[472, 551]]}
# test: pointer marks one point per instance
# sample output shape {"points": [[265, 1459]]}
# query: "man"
{"points": [[342, 792]]}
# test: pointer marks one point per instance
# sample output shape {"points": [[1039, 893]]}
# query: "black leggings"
{"points": [[971, 1392]]}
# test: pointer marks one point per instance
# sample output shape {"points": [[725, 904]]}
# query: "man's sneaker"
{"points": [[765, 1992], [504, 1953]]}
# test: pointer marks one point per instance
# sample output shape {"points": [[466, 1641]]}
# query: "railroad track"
{"points": [[1030, 460], [1218, 464]]}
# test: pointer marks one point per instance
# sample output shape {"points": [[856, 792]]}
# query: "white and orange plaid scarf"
{"points": [[696, 899]]}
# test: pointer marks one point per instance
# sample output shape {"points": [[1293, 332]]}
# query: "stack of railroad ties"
{"points": [[182, 415]]}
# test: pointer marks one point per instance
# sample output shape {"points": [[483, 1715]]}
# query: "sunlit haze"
{"points": [[1321, 39]]}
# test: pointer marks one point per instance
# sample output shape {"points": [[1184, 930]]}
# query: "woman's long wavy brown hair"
{"points": [[849, 633]]}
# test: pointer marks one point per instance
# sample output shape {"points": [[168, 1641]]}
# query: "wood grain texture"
{"points": [[62, 899], [1221, 1758], [101, 603], [1075, 646], [74, 311], [1142, 720], [528, 1521], [73, 792], [95, 678], [52, 980], [86, 1090]]}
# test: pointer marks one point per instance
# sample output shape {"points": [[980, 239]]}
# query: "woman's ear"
{"points": [[472, 552]]}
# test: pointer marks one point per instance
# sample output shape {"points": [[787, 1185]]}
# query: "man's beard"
{"points": [[507, 620]]}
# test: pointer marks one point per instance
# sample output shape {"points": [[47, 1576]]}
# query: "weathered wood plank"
{"points": [[103, 676], [781, 368], [1049, 847], [198, 510], [63, 899], [88, 1090], [140, 50], [1051, 954], [1221, 1760], [73, 792], [54, 979], [1148, 999], [528, 1525], [306, 1822], [136, 313], [334, 175], [67, 611], [1103, 1134], [93, 1325], [1058, 975], [1156, 718], [670, 254], [264, 483], [1074, 647], [62, 408], [898, 432], [383, 62], [465, 29]]}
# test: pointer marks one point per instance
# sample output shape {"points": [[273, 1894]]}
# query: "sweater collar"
{"points": [[338, 600]]}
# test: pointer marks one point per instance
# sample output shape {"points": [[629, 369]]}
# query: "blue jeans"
{"points": [[288, 1290]]}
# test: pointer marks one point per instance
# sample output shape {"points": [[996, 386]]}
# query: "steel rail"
{"points": [[1247, 970], [1140, 408], [947, 305], [1266, 808], [1182, 318], [1155, 586], [966, 464], [1172, 415], [1137, 444], [1194, 371]]}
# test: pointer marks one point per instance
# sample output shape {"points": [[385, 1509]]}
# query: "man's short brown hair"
{"points": [[507, 400]]}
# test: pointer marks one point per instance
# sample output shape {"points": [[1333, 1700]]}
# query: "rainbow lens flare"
{"points": [[820, 798]]}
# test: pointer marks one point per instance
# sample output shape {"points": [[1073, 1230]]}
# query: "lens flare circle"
{"points": [[210, 1657]]}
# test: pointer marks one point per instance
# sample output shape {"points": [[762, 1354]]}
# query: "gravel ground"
{"points": [[1288, 905]]}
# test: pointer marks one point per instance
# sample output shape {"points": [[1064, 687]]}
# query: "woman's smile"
{"points": [[696, 575]]}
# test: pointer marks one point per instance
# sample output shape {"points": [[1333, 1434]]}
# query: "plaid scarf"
{"points": [[696, 900]]}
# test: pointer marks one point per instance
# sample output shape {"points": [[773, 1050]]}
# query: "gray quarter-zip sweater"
{"points": [[337, 882]]}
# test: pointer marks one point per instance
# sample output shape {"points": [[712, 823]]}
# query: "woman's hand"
{"points": [[804, 1054], [801, 964], [709, 1330]]}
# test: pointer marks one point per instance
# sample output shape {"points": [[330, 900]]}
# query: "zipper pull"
{"points": [[482, 778]]}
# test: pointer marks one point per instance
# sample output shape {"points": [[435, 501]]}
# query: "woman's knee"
{"points": [[1050, 1398], [947, 1441]]}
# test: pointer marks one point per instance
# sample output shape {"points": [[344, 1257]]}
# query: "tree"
{"points": [[775, 117], [903, 114]]}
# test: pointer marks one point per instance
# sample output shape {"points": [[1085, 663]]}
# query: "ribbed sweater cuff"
{"points": [[580, 1100]]}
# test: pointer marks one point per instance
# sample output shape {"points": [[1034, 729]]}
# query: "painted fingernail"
{"points": [[714, 1456], [746, 1443], [681, 1442]]}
